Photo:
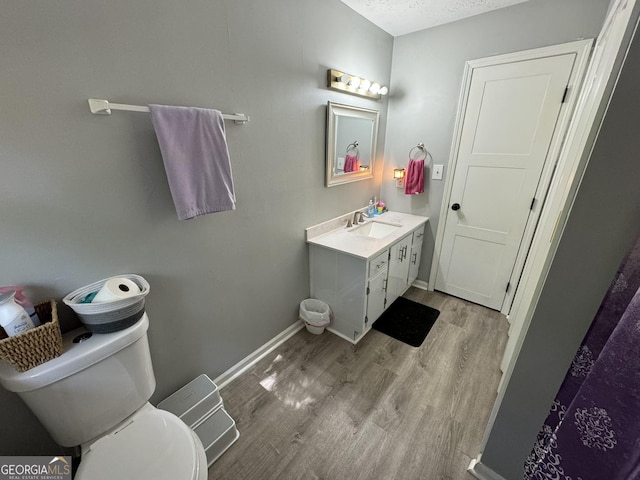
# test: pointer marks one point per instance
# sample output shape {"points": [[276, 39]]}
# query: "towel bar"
{"points": [[104, 107]]}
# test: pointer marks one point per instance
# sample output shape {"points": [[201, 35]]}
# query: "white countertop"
{"points": [[343, 240]]}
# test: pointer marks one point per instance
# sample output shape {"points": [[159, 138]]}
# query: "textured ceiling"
{"points": [[399, 17]]}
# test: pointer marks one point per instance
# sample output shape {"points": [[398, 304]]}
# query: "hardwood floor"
{"points": [[319, 407]]}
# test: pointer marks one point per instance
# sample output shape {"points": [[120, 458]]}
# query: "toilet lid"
{"points": [[154, 445]]}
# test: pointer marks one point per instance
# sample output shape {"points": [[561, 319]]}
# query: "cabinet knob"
{"points": [[455, 206]]}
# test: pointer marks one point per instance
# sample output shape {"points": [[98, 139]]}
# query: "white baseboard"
{"points": [[253, 358], [481, 471], [420, 284]]}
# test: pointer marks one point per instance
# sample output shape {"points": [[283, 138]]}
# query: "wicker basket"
{"points": [[36, 346]]}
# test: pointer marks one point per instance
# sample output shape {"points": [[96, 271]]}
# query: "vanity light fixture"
{"points": [[345, 82], [398, 174]]}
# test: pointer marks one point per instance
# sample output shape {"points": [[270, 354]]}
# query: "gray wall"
{"points": [[603, 224], [85, 197], [427, 75]]}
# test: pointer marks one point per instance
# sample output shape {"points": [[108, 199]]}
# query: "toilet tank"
{"points": [[95, 384]]}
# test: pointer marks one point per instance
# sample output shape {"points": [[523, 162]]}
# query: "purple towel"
{"points": [[196, 158]]}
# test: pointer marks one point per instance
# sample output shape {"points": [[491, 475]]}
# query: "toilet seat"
{"points": [[152, 444]]}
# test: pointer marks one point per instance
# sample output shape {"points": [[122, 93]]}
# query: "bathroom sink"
{"points": [[375, 229]]}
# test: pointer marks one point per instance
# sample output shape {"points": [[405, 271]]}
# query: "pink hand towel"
{"points": [[414, 182], [350, 163]]}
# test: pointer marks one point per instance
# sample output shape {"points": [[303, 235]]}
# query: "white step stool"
{"points": [[199, 405]]}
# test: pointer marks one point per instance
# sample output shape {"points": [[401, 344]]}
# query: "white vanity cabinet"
{"points": [[353, 287], [358, 289]]}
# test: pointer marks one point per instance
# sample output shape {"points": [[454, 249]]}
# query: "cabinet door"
{"points": [[416, 253], [398, 268], [375, 298]]}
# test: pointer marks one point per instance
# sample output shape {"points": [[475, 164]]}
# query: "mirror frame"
{"points": [[335, 110]]}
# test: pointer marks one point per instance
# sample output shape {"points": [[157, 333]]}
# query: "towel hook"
{"points": [[421, 149], [353, 147]]}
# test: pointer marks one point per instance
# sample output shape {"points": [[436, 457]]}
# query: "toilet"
{"points": [[95, 395]]}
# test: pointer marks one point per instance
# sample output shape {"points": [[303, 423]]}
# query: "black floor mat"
{"points": [[407, 321]]}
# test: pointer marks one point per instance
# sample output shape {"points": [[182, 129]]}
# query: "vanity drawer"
{"points": [[378, 264], [418, 236]]}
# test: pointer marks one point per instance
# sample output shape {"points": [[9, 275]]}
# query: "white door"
{"points": [[510, 117]]}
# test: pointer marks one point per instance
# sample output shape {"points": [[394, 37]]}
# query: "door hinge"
{"points": [[366, 320], [508, 286], [368, 290], [533, 200], [564, 96]]}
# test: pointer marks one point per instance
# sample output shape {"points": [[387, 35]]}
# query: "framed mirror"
{"points": [[352, 134]]}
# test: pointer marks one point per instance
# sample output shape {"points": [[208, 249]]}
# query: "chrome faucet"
{"points": [[357, 217]]}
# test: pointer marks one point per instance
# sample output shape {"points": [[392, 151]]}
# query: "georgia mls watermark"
{"points": [[35, 468]]}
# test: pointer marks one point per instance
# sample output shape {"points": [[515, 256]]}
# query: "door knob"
{"points": [[455, 206]]}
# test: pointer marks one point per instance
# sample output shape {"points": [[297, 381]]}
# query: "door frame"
{"points": [[581, 49]]}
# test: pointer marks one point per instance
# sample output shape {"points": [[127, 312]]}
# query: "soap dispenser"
{"points": [[13, 318], [371, 209]]}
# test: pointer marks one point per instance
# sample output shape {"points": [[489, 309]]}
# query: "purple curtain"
{"points": [[593, 428]]}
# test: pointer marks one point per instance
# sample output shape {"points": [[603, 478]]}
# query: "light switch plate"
{"points": [[437, 172]]}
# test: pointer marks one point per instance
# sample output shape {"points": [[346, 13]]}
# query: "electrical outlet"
{"points": [[437, 172]]}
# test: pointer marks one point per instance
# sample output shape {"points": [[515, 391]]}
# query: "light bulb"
{"points": [[355, 82], [343, 79], [383, 90], [375, 88], [365, 85]]}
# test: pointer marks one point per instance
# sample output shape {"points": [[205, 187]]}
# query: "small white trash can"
{"points": [[315, 314]]}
